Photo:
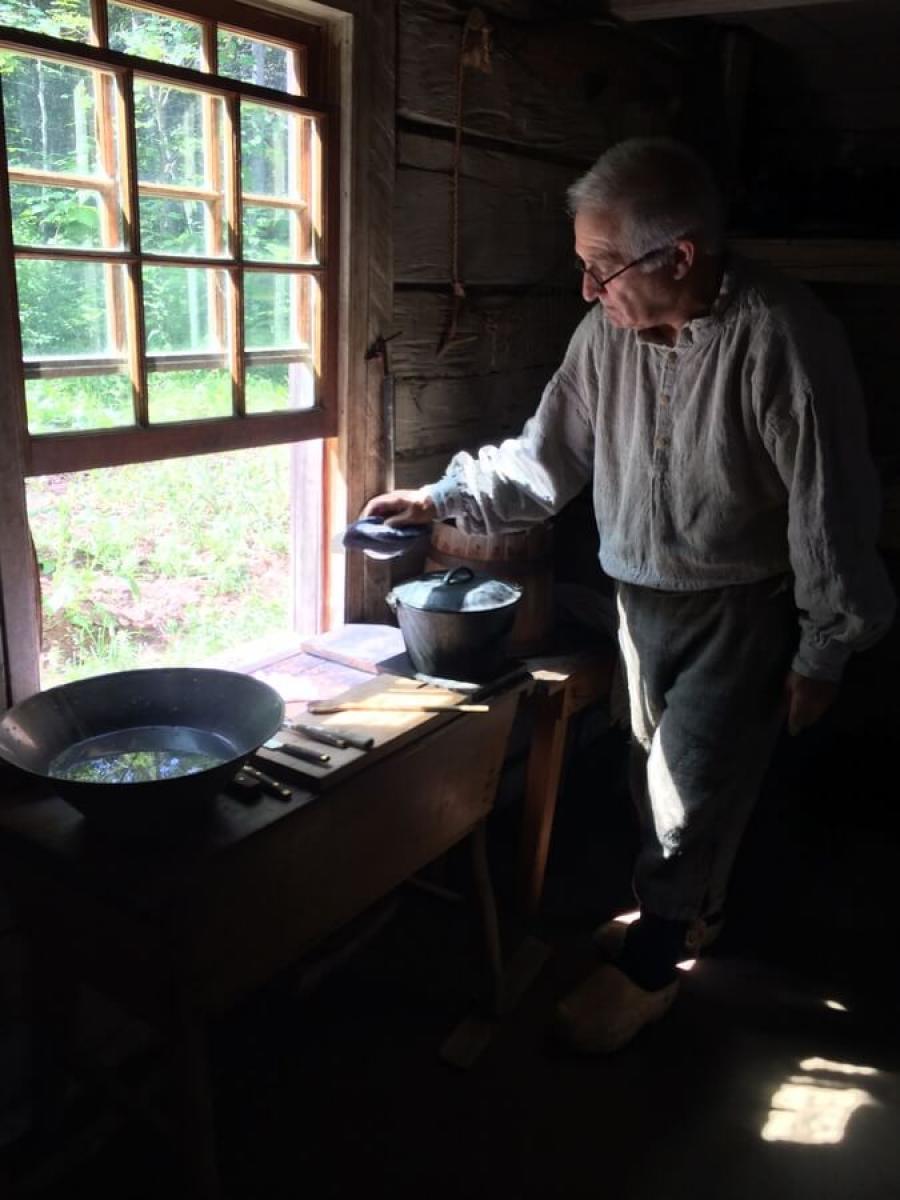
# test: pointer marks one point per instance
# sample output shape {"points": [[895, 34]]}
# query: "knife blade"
{"points": [[340, 739], [310, 756]]}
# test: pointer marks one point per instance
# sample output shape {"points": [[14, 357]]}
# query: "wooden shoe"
{"points": [[606, 1011], [609, 938]]}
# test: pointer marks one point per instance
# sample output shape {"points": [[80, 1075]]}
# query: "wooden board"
{"points": [[413, 471], [566, 88], [390, 729], [659, 10], [827, 260], [514, 227], [445, 415], [496, 332], [356, 645]]}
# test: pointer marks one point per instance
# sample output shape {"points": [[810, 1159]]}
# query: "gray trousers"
{"points": [[705, 674]]}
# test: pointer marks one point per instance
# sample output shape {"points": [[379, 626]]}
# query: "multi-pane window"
{"points": [[171, 230]]}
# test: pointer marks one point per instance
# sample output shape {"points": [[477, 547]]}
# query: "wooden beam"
{"points": [[53, 454], [835, 260], [663, 10], [357, 465], [95, 56], [20, 596]]}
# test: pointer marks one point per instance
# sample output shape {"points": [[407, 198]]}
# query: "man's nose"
{"points": [[589, 289]]}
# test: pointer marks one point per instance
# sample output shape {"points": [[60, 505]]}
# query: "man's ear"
{"points": [[683, 255]]}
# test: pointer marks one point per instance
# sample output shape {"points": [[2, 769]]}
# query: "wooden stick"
{"points": [[321, 709]]}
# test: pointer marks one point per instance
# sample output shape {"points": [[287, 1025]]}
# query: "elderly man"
{"points": [[715, 406]]}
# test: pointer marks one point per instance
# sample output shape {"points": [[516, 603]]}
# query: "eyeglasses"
{"points": [[583, 269]]}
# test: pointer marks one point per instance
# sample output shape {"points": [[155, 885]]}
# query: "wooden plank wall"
{"points": [[822, 161], [556, 94]]}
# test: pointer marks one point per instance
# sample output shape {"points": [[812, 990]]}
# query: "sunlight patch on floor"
{"points": [[815, 1111]]}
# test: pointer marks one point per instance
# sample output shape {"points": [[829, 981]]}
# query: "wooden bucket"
{"points": [[524, 557]]}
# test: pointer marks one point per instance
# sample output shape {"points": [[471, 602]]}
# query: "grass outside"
{"points": [[162, 563]]}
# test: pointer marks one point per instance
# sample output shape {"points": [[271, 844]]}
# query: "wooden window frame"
{"points": [[47, 453], [358, 39]]}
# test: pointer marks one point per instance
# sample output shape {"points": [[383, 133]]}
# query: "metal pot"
{"points": [[456, 624], [141, 753]]}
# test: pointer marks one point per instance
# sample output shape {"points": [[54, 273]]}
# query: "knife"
{"points": [[331, 737], [310, 756], [267, 783]]}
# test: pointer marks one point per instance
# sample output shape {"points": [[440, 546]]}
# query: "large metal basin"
{"points": [[141, 753]]}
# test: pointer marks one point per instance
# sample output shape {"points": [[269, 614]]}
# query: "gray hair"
{"points": [[660, 188]]}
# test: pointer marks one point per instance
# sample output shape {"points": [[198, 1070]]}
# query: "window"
{"points": [[168, 225], [168, 216]]}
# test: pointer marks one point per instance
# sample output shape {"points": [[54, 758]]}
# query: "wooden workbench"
{"points": [[180, 933], [563, 685]]}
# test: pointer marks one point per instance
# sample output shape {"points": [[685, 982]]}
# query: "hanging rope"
{"points": [[474, 51]]}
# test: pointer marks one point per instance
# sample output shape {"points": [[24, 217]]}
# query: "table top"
{"points": [[39, 827]]}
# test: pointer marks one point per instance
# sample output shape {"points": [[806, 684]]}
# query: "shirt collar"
{"points": [[702, 329]]}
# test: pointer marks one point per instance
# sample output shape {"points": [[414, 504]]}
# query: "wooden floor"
{"points": [[776, 1076]]}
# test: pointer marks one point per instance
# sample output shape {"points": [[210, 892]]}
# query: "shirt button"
{"points": [[661, 443], [664, 398]]}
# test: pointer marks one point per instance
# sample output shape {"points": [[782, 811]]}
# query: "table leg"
{"points": [[490, 925], [55, 1011], [541, 788], [196, 1129]]}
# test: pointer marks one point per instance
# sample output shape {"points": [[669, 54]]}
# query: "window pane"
{"points": [[180, 145], [271, 234], [163, 563], [255, 61], [185, 309], [276, 387], [71, 19], [69, 309], [169, 128], [94, 402], [188, 395], [155, 35], [58, 216], [51, 112], [178, 227], [279, 310], [270, 151], [281, 159]]}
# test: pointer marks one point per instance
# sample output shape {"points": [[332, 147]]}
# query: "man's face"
{"points": [[634, 300]]}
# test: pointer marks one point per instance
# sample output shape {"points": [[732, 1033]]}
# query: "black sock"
{"points": [[653, 945]]}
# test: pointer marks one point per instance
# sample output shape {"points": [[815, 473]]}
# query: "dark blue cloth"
{"points": [[388, 541]]}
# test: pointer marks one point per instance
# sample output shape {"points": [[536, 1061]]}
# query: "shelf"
{"points": [[826, 260], [666, 10]]}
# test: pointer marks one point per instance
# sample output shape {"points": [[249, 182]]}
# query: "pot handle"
{"points": [[458, 575], [391, 601]]}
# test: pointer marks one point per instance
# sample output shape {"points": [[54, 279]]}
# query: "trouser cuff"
{"points": [[653, 947]]}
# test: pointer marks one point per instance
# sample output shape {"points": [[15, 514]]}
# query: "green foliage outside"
{"points": [[161, 563]]}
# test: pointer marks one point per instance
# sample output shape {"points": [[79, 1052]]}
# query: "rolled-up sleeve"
{"points": [[528, 478], [816, 434]]}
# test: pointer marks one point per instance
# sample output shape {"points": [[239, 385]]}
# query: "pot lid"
{"points": [[459, 590]]}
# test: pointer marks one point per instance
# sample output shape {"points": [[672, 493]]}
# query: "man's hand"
{"points": [[402, 507], [807, 700]]}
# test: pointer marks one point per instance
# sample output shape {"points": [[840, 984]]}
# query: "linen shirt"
{"points": [[737, 454]]}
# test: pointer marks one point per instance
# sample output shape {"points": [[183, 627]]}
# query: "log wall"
{"points": [[821, 165], [555, 95], [798, 109]]}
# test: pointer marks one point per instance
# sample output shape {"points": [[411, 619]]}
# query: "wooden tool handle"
{"points": [[322, 709]]}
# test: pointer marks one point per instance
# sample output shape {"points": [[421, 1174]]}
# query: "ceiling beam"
{"points": [[658, 10]]}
